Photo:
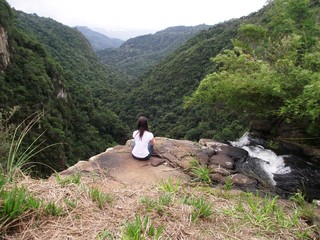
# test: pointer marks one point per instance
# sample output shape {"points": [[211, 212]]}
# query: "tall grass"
{"points": [[201, 172], [18, 157], [14, 203], [141, 228]]}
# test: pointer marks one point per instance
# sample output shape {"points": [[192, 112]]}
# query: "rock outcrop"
{"points": [[171, 157], [4, 49]]}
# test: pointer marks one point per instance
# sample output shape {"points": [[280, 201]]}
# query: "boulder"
{"points": [[218, 169], [234, 152], [243, 181], [222, 160]]}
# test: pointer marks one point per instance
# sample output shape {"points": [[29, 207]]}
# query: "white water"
{"points": [[271, 163]]}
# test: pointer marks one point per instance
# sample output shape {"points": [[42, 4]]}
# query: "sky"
{"points": [[146, 16]]}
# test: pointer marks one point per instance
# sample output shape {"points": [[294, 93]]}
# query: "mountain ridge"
{"points": [[138, 54], [98, 40]]}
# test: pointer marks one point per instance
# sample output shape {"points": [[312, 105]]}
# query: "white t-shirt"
{"points": [[140, 149]]}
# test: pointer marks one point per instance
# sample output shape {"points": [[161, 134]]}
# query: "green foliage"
{"points": [[240, 77], [71, 203], [201, 172], [170, 185], [76, 104], [270, 72], [5, 14], [228, 184], [201, 208], [14, 203], [264, 213], [305, 210], [17, 156], [52, 209], [157, 205], [100, 198], [105, 235], [5, 139], [141, 229], [74, 178]]}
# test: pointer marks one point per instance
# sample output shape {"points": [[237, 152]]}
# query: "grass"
{"points": [[52, 209], [192, 211], [305, 210], [267, 215], [18, 157], [202, 173], [141, 228], [14, 203], [201, 208], [73, 179], [228, 184], [100, 198], [169, 185]]}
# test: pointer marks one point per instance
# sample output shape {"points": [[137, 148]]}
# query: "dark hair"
{"points": [[142, 125]]}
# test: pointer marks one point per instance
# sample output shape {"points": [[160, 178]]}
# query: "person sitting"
{"points": [[143, 140]]}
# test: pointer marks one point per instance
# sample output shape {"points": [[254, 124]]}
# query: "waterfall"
{"points": [[270, 162]]}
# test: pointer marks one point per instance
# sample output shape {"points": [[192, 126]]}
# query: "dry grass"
{"points": [[86, 220]]}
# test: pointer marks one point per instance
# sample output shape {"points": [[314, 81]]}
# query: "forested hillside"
{"points": [[270, 72], [159, 93], [54, 71], [138, 54]]}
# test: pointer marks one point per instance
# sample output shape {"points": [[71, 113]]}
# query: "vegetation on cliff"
{"points": [[54, 71], [272, 71]]}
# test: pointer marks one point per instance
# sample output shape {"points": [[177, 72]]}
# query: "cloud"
{"points": [[138, 14]]}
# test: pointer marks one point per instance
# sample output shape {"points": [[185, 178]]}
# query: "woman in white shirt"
{"points": [[143, 140]]}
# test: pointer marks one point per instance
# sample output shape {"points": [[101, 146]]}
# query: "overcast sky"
{"points": [[138, 14]]}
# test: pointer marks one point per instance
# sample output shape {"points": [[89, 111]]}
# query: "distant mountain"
{"points": [[138, 54], [98, 40], [124, 33]]}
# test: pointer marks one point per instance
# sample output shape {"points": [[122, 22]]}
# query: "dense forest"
{"points": [[53, 72], [264, 66]]}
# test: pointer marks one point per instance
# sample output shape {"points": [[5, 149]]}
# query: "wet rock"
{"points": [[212, 144], [243, 181], [222, 160], [234, 152]]}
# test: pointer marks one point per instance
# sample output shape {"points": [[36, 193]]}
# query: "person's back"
{"points": [[143, 141]]}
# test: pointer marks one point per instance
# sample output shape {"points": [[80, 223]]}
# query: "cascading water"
{"points": [[285, 174], [270, 162]]}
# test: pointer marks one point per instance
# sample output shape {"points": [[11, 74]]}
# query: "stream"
{"points": [[284, 174]]}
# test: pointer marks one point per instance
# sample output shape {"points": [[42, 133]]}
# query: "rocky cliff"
{"points": [[225, 164], [4, 49], [171, 154]]}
